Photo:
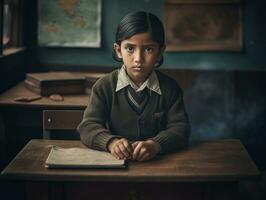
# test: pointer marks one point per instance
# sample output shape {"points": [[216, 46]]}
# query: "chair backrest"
{"points": [[61, 120]]}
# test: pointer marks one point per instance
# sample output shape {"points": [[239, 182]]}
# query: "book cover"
{"points": [[57, 89], [55, 78], [81, 158]]}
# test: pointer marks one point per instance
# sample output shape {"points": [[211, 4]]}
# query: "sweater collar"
{"points": [[151, 82]]}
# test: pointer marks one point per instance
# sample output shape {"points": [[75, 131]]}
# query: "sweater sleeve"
{"points": [[176, 134], [93, 128]]}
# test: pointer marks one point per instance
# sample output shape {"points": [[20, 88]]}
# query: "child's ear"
{"points": [[162, 49], [117, 49], [160, 54]]}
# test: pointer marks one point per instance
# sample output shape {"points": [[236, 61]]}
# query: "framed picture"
{"points": [[69, 23], [203, 25]]}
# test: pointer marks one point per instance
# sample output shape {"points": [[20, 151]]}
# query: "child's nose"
{"points": [[138, 56]]}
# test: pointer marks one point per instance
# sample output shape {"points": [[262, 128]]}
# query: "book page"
{"points": [[81, 158]]}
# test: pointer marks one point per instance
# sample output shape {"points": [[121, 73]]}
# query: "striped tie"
{"points": [[137, 100]]}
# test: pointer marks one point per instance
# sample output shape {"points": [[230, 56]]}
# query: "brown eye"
{"points": [[129, 49], [149, 50]]}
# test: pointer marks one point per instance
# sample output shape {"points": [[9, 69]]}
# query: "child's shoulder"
{"points": [[108, 80], [166, 81], [169, 87]]}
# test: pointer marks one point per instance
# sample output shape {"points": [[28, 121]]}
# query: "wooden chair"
{"points": [[62, 123]]}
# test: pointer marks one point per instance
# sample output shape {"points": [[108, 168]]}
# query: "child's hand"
{"points": [[145, 150], [120, 148]]}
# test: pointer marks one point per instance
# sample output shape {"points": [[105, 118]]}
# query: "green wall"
{"points": [[252, 56]]}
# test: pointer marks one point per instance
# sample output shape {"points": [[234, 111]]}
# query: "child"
{"points": [[136, 112]]}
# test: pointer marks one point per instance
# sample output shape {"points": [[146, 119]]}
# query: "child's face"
{"points": [[139, 54]]}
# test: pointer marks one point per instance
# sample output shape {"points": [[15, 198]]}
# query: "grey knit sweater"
{"points": [[109, 115]]}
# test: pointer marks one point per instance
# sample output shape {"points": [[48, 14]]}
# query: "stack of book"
{"points": [[49, 83]]}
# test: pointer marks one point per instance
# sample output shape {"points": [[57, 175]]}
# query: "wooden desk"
{"points": [[23, 120], [209, 170], [78, 101]]}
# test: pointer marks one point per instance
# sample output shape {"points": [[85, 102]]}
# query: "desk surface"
{"points": [[221, 160], [78, 101]]}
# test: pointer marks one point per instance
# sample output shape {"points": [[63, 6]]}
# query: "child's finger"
{"points": [[116, 156], [144, 156], [142, 153], [134, 144], [137, 151], [128, 146], [123, 150], [118, 152]]}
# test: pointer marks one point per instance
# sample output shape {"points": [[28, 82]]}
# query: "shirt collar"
{"points": [[151, 83]]}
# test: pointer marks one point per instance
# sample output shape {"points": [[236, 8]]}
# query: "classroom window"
{"points": [[11, 26], [6, 25]]}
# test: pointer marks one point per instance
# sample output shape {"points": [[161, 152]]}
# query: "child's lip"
{"points": [[137, 67]]}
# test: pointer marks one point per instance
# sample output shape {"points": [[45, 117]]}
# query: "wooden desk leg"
{"points": [[44, 191]]}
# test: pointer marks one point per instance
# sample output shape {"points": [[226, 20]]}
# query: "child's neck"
{"points": [[138, 83]]}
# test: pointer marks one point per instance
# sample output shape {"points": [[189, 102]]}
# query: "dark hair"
{"points": [[140, 22]]}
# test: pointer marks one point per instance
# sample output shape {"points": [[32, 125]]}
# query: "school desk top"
{"points": [[77, 101], [218, 161]]}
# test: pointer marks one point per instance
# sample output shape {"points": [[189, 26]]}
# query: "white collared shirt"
{"points": [[151, 82]]}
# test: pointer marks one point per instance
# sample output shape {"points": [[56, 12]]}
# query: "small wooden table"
{"points": [[76, 101], [209, 170]]}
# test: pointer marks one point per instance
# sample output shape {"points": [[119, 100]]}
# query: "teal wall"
{"points": [[251, 57]]}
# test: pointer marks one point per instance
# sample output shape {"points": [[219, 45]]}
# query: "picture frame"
{"points": [[69, 23], [203, 25]]}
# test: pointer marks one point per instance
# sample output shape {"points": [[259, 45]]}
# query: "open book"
{"points": [[81, 158]]}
